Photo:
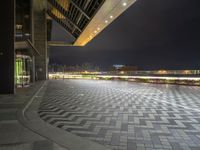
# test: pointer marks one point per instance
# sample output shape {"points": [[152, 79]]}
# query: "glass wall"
{"points": [[23, 20], [22, 70]]}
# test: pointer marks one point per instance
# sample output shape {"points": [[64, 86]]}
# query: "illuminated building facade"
{"points": [[25, 33]]}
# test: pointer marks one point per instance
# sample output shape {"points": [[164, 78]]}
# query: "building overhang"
{"points": [[109, 11], [84, 20], [59, 43], [27, 44]]}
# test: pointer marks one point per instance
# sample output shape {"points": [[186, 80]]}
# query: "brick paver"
{"points": [[125, 116]]}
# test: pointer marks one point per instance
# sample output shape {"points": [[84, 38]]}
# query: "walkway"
{"points": [[13, 135], [125, 116], [101, 115]]}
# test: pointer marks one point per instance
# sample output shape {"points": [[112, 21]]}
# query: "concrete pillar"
{"points": [[33, 69], [40, 38], [7, 50]]}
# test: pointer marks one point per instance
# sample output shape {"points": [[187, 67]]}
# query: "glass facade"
{"points": [[23, 60], [23, 66], [23, 20]]}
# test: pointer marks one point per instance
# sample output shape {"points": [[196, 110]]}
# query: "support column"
{"points": [[33, 69], [7, 50], [40, 38]]}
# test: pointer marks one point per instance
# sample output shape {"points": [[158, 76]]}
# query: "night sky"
{"points": [[151, 34]]}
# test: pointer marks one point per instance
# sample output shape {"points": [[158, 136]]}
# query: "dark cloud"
{"points": [[151, 34]]}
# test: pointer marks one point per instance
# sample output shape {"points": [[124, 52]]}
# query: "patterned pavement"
{"points": [[125, 116]]}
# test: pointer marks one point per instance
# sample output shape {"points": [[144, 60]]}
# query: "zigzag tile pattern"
{"points": [[125, 116]]}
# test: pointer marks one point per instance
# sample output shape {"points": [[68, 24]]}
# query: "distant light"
{"points": [[122, 72], [27, 34], [111, 17], [90, 36], [106, 21], [124, 4], [98, 29], [95, 31], [18, 35]]}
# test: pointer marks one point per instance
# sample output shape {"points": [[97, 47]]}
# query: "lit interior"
{"points": [[65, 6]]}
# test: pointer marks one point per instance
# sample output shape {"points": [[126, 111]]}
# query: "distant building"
{"points": [[125, 68], [77, 68]]}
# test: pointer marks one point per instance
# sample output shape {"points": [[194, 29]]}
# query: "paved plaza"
{"points": [[13, 134], [125, 115]]}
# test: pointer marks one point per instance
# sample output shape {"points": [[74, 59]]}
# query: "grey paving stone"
{"points": [[42, 145], [115, 139], [124, 127], [112, 110], [8, 116], [131, 145], [175, 146]]}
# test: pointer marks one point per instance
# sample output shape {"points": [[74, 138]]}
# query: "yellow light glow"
{"points": [[57, 13], [162, 72], [186, 72], [109, 11], [121, 72], [65, 6], [124, 4], [78, 75]]}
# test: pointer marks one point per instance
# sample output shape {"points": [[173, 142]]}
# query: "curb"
{"points": [[28, 117]]}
